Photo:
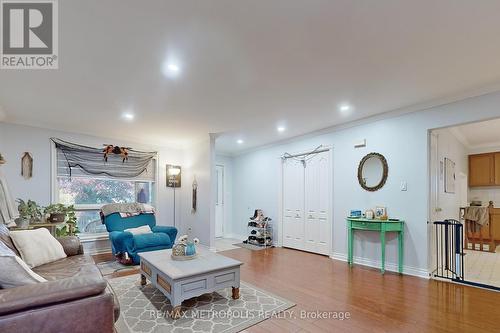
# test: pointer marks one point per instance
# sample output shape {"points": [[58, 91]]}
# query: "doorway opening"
{"points": [[219, 202], [464, 167]]}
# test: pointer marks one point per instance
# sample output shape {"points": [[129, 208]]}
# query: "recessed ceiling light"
{"points": [[129, 116], [171, 69], [239, 141], [344, 107], [280, 129]]}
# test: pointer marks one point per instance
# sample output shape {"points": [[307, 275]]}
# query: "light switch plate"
{"points": [[404, 185]]}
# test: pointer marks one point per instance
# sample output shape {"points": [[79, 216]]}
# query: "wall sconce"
{"points": [[173, 179]]}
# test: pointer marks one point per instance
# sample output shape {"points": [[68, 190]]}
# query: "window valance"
{"points": [[78, 160]]}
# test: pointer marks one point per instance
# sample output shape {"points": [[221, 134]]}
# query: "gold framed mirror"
{"points": [[372, 172]]}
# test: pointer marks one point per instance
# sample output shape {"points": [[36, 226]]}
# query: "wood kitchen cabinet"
{"points": [[484, 169], [495, 224], [497, 168]]}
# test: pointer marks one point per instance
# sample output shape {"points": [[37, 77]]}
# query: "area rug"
{"points": [[146, 309], [110, 267], [252, 247]]}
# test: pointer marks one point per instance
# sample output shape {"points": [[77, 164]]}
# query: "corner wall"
{"points": [[403, 140], [199, 164], [450, 147]]}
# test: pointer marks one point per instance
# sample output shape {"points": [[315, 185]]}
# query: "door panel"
{"points": [[306, 202], [293, 203], [317, 182]]}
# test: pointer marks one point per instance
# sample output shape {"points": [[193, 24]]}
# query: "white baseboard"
{"points": [[389, 266]]}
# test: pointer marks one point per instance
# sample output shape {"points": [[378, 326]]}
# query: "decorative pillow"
{"points": [[14, 271], [145, 229], [5, 238], [37, 247]]}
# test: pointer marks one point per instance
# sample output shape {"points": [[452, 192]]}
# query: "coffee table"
{"points": [[181, 280]]}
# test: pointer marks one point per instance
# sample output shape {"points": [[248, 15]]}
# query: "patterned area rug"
{"points": [[146, 309], [110, 267]]}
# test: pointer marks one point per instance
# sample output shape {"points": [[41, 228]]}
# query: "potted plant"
{"points": [[29, 212], [55, 213]]}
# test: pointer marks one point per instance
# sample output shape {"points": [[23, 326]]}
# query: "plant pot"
{"points": [[22, 223], [57, 217]]}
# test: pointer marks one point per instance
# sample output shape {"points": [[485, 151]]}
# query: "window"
{"points": [[90, 192]]}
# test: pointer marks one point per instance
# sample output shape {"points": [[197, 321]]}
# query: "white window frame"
{"points": [[54, 192]]}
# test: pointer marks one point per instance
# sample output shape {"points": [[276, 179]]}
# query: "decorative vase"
{"points": [[190, 249], [179, 250]]}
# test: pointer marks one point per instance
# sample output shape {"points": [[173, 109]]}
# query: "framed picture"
{"points": [[449, 176], [380, 211]]}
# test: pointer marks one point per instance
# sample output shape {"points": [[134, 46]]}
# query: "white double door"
{"points": [[307, 185]]}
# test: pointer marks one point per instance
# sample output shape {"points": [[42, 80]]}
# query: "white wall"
{"points": [[450, 147], [403, 140], [199, 164], [17, 139], [227, 162]]}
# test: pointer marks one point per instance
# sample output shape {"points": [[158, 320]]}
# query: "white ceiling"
{"points": [[479, 135], [248, 66]]}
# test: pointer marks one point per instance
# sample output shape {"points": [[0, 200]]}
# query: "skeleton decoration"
{"points": [[27, 166], [195, 195]]}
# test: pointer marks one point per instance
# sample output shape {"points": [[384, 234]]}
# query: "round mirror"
{"points": [[372, 172]]}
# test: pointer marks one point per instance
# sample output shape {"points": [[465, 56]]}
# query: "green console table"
{"points": [[380, 226]]}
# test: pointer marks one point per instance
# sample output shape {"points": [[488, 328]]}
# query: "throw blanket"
{"points": [[127, 210], [480, 215], [8, 212]]}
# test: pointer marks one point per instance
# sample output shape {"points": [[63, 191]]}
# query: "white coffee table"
{"points": [[181, 280]]}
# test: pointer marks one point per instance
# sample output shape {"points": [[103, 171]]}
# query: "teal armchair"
{"points": [[162, 237]]}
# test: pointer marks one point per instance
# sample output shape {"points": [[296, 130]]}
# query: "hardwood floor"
{"points": [[376, 303]]}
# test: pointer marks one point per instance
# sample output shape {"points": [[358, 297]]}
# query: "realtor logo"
{"points": [[29, 38]]}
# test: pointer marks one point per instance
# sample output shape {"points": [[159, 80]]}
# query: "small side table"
{"points": [[382, 227]]}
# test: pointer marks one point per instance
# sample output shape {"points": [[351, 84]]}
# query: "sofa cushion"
{"points": [[65, 268], [37, 247], [14, 272], [145, 229], [151, 240], [5, 238]]}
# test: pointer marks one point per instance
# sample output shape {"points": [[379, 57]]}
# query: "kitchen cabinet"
{"points": [[495, 223], [497, 168], [484, 169]]}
